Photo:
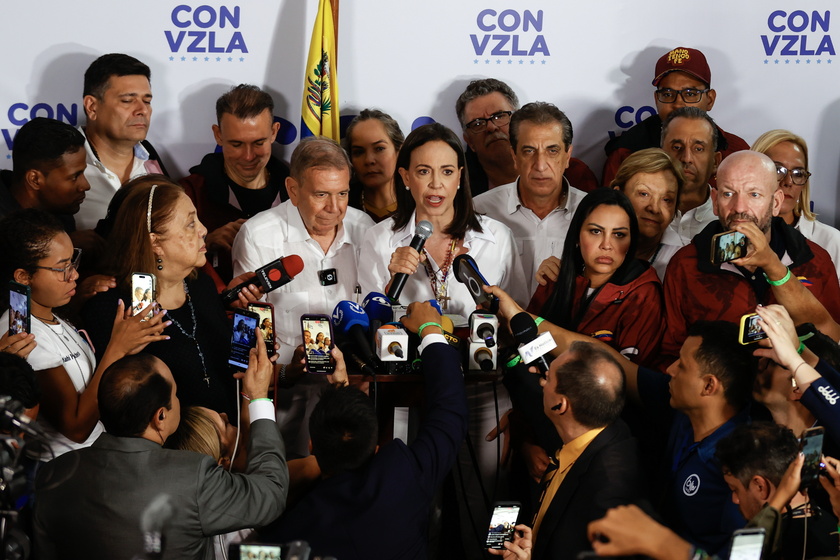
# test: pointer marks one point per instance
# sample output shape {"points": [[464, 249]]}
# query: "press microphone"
{"points": [[391, 343], [152, 522], [14, 419], [269, 277], [421, 233], [483, 327], [378, 309], [467, 273], [534, 348], [351, 324], [481, 357]]}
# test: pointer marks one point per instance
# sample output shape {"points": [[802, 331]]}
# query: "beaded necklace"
{"points": [[194, 329], [440, 289]]}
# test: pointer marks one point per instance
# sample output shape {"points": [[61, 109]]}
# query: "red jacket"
{"points": [[697, 290], [628, 315]]}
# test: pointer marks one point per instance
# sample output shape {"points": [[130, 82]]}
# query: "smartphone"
{"points": [[19, 308], [467, 273], [810, 444], [728, 246], [266, 314], [747, 544], [750, 330], [143, 287], [251, 551], [243, 337], [318, 340], [502, 524]]}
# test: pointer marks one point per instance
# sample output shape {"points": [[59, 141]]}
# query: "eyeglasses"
{"points": [[71, 266], [689, 95], [499, 119], [798, 176]]}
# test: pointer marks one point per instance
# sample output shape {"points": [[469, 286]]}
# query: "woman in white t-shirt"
{"points": [[39, 254]]}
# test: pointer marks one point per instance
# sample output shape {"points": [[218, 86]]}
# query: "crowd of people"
{"points": [[651, 413]]}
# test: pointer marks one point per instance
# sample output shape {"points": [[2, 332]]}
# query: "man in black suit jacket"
{"points": [[90, 502], [372, 504], [583, 395]]}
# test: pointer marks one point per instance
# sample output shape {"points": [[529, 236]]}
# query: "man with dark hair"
{"points": [[361, 489], [315, 224], [597, 467], [118, 105], [90, 503], [244, 179], [49, 171], [682, 78], [691, 137], [539, 205], [484, 110], [780, 265]]}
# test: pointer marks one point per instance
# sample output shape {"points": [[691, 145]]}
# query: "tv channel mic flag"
{"points": [[319, 113]]}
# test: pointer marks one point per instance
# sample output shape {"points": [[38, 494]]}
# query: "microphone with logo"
{"points": [[483, 351], [467, 273], [421, 233], [534, 348], [269, 277], [153, 520], [390, 340], [352, 328]]}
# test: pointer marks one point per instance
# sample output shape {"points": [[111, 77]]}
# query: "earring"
{"points": [[406, 188], [159, 262]]}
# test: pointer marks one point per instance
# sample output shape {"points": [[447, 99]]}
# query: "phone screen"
{"points": [[502, 525], [811, 445], [751, 330], [243, 337], [266, 323], [19, 314], [255, 551], [317, 342], [747, 544], [728, 246], [142, 292]]}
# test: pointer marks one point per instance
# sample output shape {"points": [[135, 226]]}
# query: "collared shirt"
{"points": [[280, 232], [566, 457], [823, 235], [536, 239], [493, 249], [104, 183], [691, 223]]}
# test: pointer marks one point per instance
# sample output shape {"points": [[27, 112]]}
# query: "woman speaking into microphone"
{"points": [[432, 185]]}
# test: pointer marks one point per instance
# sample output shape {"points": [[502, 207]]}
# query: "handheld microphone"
{"points": [[467, 273], [421, 233], [269, 277], [534, 348], [152, 522], [351, 324]]}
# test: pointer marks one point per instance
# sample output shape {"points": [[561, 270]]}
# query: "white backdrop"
{"points": [[772, 67]]}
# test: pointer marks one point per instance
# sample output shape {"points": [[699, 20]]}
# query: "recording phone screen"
{"points": [[243, 338]]}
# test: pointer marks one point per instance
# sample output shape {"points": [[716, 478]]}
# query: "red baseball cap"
{"points": [[683, 59]]}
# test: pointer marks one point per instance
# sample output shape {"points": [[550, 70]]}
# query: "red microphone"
{"points": [[269, 277]]}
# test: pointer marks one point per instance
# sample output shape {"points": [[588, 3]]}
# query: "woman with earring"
{"points": [[157, 231], [790, 154], [372, 141], [432, 185], [39, 254]]}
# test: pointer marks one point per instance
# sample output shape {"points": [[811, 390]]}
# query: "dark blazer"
{"points": [[89, 502], [606, 475], [381, 510]]}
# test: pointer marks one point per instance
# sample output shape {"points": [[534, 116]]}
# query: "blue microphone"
{"points": [[378, 309], [352, 325]]}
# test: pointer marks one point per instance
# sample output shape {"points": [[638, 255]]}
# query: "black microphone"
{"points": [[269, 277], [525, 330], [152, 522], [421, 233], [12, 418]]}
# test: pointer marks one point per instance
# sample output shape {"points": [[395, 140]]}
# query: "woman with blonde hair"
{"points": [[790, 154]]}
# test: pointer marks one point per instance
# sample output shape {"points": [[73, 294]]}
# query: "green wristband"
{"points": [[261, 399], [429, 324], [801, 347], [778, 282], [538, 321], [515, 360]]}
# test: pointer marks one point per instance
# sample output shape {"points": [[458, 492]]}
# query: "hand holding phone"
{"points": [[502, 524], [810, 445], [20, 312], [243, 337], [318, 341], [728, 246], [751, 330], [143, 287], [265, 311]]}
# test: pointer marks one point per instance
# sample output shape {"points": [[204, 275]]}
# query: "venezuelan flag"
{"points": [[319, 113]]}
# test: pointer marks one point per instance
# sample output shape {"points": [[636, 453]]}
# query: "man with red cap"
{"points": [[682, 79]]}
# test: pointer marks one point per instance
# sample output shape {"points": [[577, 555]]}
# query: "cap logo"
{"points": [[678, 56]]}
